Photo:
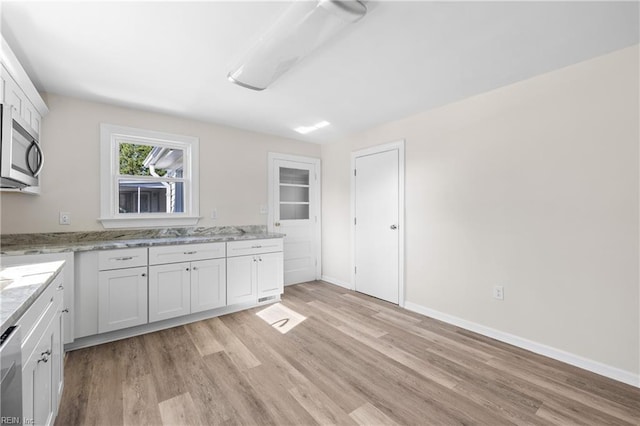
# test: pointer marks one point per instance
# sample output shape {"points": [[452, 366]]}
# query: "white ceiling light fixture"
{"points": [[308, 129], [303, 27]]}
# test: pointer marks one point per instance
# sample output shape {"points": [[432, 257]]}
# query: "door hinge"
{"points": [[354, 221], [355, 269], [354, 172]]}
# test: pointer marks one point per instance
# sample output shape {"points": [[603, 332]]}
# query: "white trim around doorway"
{"points": [[397, 145], [271, 156]]}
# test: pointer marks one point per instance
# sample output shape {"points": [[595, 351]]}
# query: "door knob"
{"points": [[393, 227], [277, 223]]}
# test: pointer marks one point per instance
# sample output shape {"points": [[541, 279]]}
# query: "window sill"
{"points": [[148, 222]]}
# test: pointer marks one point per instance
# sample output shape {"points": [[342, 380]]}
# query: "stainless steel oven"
{"points": [[10, 377], [21, 157]]}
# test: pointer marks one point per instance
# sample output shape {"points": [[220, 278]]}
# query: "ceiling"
{"points": [[400, 59]]}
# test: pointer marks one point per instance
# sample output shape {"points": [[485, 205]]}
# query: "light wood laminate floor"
{"points": [[354, 360]]}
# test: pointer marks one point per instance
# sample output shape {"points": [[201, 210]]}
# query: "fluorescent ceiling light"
{"points": [[308, 129], [303, 27]]}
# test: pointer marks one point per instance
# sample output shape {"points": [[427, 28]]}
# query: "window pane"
{"points": [[294, 193], [294, 211], [294, 176], [149, 160], [150, 197]]}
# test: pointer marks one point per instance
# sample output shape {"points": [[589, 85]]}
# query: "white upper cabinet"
{"points": [[18, 92]]}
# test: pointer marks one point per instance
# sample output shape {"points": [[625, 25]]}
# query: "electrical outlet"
{"points": [[498, 292], [65, 218]]}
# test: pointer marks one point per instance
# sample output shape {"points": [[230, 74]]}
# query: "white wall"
{"points": [[534, 187], [233, 167]]}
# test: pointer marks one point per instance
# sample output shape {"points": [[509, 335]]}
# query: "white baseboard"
{"points": [[336, 281], [539, 348]]}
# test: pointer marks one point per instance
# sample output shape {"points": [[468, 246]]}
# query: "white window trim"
{"points": [[109, 166]]}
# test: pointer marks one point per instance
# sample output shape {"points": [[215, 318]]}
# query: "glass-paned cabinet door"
{"points": [[293, 193]]}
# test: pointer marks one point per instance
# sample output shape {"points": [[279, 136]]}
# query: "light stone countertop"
{"points": [[61, 247], [21, 244], [20, 286]]}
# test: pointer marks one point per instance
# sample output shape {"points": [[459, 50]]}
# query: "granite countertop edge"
{"points": [[132, 243], [25, 300]]}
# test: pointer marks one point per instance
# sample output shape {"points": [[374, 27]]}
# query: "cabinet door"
{"points": [[270, 274], [37, 381], [169, 291], [13, 95], [208, 284], [241, 279], [122, 298]]}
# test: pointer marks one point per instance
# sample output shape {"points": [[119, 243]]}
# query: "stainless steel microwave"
{"points": [[21, 158]]}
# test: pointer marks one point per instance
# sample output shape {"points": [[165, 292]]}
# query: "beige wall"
{"points": [[233, 167], [534, 187]]}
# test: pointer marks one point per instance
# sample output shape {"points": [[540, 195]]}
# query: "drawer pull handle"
{"points": [[144, 275], [256, 246], [187, 269], [260, 259], [194, 268], [124, 258], [61, 287], [190, 252], [65, 310]]}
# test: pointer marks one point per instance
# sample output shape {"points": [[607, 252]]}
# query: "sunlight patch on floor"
{"points": [[280, 317]]}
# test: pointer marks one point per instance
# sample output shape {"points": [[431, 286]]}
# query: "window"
{"points": [[147, 178], [294, 194]]}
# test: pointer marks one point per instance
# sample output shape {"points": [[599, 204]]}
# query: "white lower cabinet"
{"points": [[270, 274], [113, 290], [179, 289], [42, 369], [122, 298], [241, 279], [169, 291], [208, 285], [38, 382], [257, 275]]}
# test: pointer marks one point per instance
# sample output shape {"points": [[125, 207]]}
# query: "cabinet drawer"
{"points": [[242, 248], [39, 307], [122, 258], [185, 253], [39, 316]]}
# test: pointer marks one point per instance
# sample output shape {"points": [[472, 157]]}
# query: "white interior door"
{"points": [[377, 202], [294, 211]]}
